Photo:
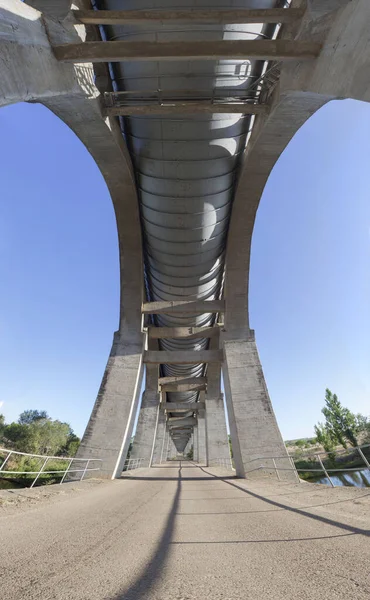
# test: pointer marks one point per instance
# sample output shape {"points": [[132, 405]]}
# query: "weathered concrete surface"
{"points": [[216, 433], [202, 437], [147, 425], [171, 533], [109, 430], [252, 419], [160, 439]]}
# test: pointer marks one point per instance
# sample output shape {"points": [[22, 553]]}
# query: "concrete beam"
{"points": [[176, 307], [92, 52], [180, 379], [180, 108], [131, 17], [182, 406], [182, 357], [183, 332], [183, 387], [182, 421], [57, 9]]}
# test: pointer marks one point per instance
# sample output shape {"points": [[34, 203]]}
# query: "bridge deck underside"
{"points": [[186, 166]]}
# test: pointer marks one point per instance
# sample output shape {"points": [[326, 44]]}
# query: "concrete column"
{"points": [[108, 432], [172, 451], [217, 442], [143, 446], [160, 440], [253, 427], [202, 442], [195, 443]]}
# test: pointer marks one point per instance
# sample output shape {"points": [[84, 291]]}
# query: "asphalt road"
{"points": [[179, 533]]}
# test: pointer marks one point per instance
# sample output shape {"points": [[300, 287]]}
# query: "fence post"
{"points": [[66, 471], [5, 461], [295, 470], [276, 470], [87, 464], [325, 471], [39, 473], [364, 458]]}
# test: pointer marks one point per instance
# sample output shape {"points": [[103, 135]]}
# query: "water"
{"points": [[359, 478]]}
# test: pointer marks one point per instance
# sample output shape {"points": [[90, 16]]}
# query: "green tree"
{"points": [[71, 446], [30, 416], [340, 421], [2, 427], [325, 438], [19, 437]]}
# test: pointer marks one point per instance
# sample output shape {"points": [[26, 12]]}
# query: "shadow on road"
{"points": [[147, 578], [299, 511]]}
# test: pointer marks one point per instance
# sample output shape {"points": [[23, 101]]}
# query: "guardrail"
{"points": [[316, 456], [135, 463], [44, 459]]}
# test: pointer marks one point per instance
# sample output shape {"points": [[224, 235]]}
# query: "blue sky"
{"points": [[310, 278]]}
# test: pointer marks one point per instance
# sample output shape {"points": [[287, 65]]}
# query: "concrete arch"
{"points": [[30, 73], [341, 71]]}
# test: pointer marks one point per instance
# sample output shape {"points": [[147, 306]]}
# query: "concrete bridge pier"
{"points": [[202, 441], [254, 430], [147, 425], [109, 430], [217, 441], [195, 443], [160, 438]]}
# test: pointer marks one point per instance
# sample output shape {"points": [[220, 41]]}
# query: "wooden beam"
{"points": [[158, 333], [137, 17], [183, 406], [182, 357], [178, 108], [118, 51], [193, 307]]}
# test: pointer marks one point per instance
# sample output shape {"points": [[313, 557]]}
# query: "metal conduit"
{"points": [[186, 167]]}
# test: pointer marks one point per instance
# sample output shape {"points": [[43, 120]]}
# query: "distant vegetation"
{"points": [[36, 433], [341, 429]]}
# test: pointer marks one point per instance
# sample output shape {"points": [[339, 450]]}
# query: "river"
{"points": [[359, 478]]}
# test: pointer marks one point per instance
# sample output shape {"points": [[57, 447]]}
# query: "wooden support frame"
{"points": [[118, 51], [140, 17]]}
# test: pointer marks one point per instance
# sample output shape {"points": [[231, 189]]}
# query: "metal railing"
{"points": [[44, 459], [135, 463], [316, 456]]}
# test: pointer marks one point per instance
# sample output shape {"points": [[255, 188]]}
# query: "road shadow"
{"points": [[299, 511], [147, 578]]}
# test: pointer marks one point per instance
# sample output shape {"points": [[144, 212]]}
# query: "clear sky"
{"points": [[310, 279]]}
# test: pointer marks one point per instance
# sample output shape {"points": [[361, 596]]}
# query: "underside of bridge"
{"points": [[185, 105], [186, 164]]}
